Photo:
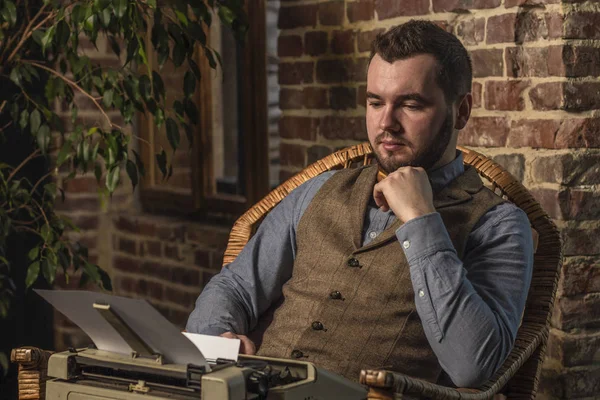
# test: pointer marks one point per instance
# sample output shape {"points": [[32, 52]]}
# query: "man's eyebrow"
{"points": [[402, 98]]}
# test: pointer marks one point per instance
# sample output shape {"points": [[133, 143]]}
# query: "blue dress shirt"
{"points": [[470, 309]]}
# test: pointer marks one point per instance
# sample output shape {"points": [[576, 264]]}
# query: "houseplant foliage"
{"points": [[42, 68]]}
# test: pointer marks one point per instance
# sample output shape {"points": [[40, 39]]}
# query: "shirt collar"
{"points": [[442, 176]]}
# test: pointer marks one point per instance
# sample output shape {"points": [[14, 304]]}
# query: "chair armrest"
{"points": [[32, 374], [390, 385]]}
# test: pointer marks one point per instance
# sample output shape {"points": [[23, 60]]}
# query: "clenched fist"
{"points": [[407, 192]]}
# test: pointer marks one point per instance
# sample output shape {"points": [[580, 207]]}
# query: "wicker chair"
{"points": [[518, 377]]}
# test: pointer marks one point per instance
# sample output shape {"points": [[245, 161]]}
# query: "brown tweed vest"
{"points": [[349, 307]]}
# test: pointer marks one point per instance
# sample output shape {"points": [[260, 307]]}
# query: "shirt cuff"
{"points": [[423, 236]]}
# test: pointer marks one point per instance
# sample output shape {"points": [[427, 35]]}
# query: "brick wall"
{"points": [[536, 94], [536, 66]]}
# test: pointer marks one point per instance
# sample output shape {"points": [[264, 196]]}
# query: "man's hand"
{"points": [[247, 346], [407, 192]]}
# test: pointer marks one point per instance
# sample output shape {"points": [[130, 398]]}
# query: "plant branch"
{"points": [[25, 161], [28, 32], [39, 181], [76, 86], [41, 210], [2, 106]]}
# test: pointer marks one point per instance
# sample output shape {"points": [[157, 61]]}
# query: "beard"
{"points": [[425, 158]]}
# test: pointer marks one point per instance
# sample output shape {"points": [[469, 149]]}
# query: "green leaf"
{"points": [[161, 160], [107, 98], [191, 111], [24, 119], [178, 54], [15, 76], [47, 38], [120, 7], [33, 253], [98, 172], [46, 233], [32, 273], [194, 68], [209, 56], [196, 32], [132, 172], [114, 45], [189, 133], [189, 84], [145, 87], [139, 163], [4, 364], [64, 153], [63, 32], [35, 120], [112, 179], [158, 85], [173, 133], [132, 48], [105, 280], [10, 12], [181, 17], [43, 138], [179, 109], [49, 270]]}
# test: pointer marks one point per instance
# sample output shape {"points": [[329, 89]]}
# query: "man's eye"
{"points": [[413, 106], [375, 104]]}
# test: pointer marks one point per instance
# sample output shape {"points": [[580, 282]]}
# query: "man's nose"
{"points": [[389, 121]]}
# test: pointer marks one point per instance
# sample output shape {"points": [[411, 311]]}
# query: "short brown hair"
{"points": [[415, 37]]}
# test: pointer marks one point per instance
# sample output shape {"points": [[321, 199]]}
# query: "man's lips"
{"points": [[392, 146]]}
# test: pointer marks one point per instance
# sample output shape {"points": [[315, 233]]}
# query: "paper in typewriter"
{"points": [[154, 329]]}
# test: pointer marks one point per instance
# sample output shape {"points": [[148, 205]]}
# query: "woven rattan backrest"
{"points": [[547, 259]]}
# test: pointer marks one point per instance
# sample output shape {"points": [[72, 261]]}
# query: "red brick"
{"points": [[577, 313], [315, 43], [343, 128], [547, 96], [362, 10], [315, 153], [292, 155], [296, 73], [342, 42], [581, 240], [214, 237], [535, 61], [501, 28], [78, 203], [365, 39], [202, 258], [487, 63], [335, 71], [573, 169], [186, 276], [580, 275], [539, 133], [485, 132], [459, 5], [85, 222], [297, 16], [471, 31], [552, 201], [581, 61], [505, 95], [515, 3], [126, 264], [476, 92], [361, 96], [513, 163], [342, 98], [331, 13], [135, 225], [174, 233], [582, 25], [578, 132], [180, 297], [290, 99], [393, 8], [153, 248], [315, 98], [172, 252], [555, 24], [128, 246], [150, 289], [298, 128], [289, 46]]}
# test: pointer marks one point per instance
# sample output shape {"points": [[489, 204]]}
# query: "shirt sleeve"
{"points": [[234, 299], [470, 309]]}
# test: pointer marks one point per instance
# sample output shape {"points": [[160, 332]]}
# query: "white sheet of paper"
{"points": [[213, 347], [154, 329]]}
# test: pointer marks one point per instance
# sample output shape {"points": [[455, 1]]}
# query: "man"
{"points": [[425, 272]]}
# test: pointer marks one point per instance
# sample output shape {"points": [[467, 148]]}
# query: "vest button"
{"points": [[317, 326], [353, 262], [335, 295], [297, 354]]}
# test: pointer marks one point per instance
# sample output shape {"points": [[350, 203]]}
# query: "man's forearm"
{"points": [[470, 310]]}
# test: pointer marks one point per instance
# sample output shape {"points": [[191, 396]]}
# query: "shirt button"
{"points": [[353, 262], [297, 354], [421, 293], [335, 295], [317, 326], [372, 234], [406, 244]]}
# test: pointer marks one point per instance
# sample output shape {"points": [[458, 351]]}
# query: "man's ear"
{"points": [[463, 111]]}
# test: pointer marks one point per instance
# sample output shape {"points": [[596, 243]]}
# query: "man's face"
{"points": [[408, 120]]}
